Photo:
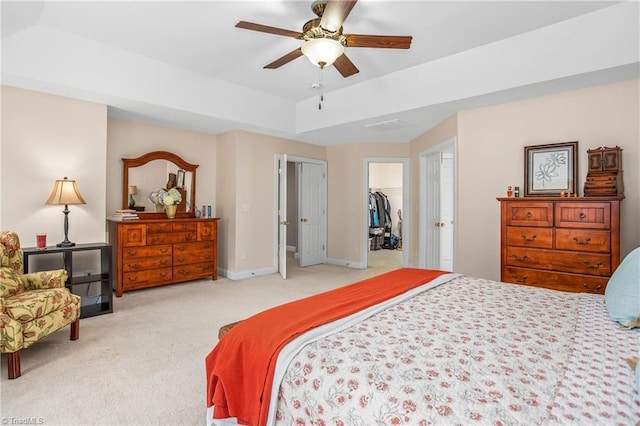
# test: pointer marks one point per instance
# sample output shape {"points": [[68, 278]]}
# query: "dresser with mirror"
{"points": [[154, 250]]}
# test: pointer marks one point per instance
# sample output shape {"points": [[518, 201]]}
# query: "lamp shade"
{"points": [[65, 192], [133, 190], [322, 52]]}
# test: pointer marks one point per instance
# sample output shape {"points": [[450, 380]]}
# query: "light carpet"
{"points": [[144, 363]]}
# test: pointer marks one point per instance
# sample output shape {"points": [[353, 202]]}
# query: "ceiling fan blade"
{"points": [[345, 66], [294, 54], [335, 13], [379, 41], [266, 29]]}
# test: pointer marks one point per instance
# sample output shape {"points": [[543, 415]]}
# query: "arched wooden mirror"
{"points": [[153, 171]]}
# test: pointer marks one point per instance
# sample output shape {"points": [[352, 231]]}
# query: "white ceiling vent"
{"points": [[394, 124]]}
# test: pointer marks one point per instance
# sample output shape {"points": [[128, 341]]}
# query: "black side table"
{"points": [[104, 304]]}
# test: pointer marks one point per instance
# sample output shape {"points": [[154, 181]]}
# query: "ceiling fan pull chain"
{"points": [[321, 88]]}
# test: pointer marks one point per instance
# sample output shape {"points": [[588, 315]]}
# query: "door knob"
{"points": [[304, 219], [284, 222]]}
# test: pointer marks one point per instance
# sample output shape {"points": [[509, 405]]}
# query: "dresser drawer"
{"points": [[138, 252], [556, 280], [195, 270], [206, 231], [134, 235], [582, 240], [521, 236], [581, 263], [185, 226], [530, 213], [583, 215], [171, 237], [142, 263], [193, 252], [159, 227], [133, 280]]}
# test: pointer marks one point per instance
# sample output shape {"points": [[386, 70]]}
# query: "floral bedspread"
{"points": [[469, 352]]}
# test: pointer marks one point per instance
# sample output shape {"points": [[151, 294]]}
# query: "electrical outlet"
{"points": [[89, 272]]}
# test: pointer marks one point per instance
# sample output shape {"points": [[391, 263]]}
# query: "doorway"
{"points": [[301, 222], [386, 198], [437, 206]]}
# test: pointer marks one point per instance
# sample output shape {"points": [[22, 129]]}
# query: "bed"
{"points": [[441, 348]]}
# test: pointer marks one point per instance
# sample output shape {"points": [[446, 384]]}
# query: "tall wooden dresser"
{"points": [[155, 252], [568, 244]]}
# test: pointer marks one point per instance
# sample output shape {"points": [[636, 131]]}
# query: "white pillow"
{"points": [[622, 294]]}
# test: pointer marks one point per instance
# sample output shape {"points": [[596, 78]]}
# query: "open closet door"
{"points": [[282, 214], [433, 211], [313, 222]]}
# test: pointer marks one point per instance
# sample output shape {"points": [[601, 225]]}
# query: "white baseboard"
{"points": [[346, 263], [242, 275]]}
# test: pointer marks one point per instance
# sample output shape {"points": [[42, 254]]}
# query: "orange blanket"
{"points": [[240, 368]]}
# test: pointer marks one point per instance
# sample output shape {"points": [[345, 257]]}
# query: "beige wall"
{"points": [[44, 138], [438, 134], [131, 139], [491, 145], [226, 181], [345, 198], [250, 157]]}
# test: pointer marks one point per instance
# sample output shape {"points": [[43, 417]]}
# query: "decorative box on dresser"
{"points": [[155, 252], [568, 244]]}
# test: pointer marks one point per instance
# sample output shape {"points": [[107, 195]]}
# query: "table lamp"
{"points": [[65, 192], [133, 190]]}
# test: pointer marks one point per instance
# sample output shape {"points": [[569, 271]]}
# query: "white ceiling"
{"points": [[185, 64]]}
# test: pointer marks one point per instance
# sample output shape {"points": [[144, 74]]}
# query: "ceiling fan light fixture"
{"points": [[322, 52]]}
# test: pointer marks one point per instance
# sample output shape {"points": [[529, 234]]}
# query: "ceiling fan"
{"points": [[324, 41]]}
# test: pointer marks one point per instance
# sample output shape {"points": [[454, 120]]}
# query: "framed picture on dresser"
{"points": [[550, 169]]}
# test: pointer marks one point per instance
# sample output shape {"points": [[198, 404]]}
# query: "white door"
{"points": [[312, 226], [437, 207], [446, 210], [433, 211], [282, 214]]}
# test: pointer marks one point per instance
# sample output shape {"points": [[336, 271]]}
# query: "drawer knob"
{"points": [[592, 266], [520, 259], [583, 242], [529, 215], [524, 237], [520, 280], [595, 289], [135, 266], [582, 215]]}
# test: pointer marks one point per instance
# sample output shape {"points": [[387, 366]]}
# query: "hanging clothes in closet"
{"points": [[374, 218], [379, 210], [387, 210]]}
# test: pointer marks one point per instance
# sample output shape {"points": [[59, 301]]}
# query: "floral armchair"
{"points": [[32, 306]]}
